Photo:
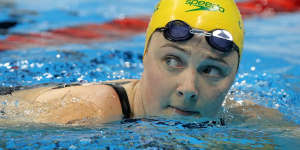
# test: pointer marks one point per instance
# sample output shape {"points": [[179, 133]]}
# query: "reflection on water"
{"points": [[268, 75], [25, 68], [151, 133], [268, 89]]}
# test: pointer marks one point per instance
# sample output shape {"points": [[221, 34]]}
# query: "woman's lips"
{"points": [[184, 112]]}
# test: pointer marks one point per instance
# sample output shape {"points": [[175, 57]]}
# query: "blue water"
{"points": [[269, 75]]}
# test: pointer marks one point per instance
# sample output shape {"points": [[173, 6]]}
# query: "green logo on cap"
{"points": [[156, 7], [203, 5]]}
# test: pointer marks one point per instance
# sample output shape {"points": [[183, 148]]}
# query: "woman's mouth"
{"points": [[184, 112]]}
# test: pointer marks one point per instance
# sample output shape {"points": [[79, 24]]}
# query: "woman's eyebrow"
{"points": [[217, 59], [178, 48]]}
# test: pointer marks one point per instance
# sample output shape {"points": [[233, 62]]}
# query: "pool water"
{"points": [[269, 75]]}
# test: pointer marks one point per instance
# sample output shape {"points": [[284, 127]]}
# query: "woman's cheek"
{"points": [[155, 81], [211, 100]]}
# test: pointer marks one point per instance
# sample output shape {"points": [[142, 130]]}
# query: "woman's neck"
{"points": [[136, 99]]}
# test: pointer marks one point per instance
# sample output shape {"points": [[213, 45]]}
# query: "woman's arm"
{"points": [[248, 113], [84, 104]]}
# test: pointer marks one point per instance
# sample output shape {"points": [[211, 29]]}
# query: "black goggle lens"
{"points": [[177, 31], [219, 43]]}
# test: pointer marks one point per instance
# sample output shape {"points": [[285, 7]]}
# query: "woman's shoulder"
{"points": [[120, 82], [75, 103], [248, 112], [93, 92], [98, 101], [126, 83], [80, 89]]}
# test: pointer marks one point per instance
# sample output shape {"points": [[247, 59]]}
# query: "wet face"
{"points": [[186, 78]]}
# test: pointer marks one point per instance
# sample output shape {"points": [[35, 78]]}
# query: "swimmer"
{"points": [[191, 56]]}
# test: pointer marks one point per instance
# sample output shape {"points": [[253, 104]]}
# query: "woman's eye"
{"points": [[174, 62], [212, 71]]}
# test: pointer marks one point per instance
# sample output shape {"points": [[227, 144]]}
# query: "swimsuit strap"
{"points": [[123, 100]]}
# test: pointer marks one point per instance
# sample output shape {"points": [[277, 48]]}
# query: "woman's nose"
{"points": [[187, 88], [187, 95]]}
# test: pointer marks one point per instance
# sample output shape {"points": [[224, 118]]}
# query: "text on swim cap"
{"points": [[203, 5]]}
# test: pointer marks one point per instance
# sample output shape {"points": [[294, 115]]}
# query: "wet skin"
{"points": [[180, 79], [186, 78]]}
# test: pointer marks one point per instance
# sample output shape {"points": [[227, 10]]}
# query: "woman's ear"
{"points": [[145, 58], [146, 55]]}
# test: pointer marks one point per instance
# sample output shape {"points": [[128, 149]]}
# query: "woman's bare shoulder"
{"points": [[71, 104], [249, 112], [45, 93], [121, 82]]}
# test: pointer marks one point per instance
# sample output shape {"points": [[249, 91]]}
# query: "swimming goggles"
{"points": [[219, 39]]}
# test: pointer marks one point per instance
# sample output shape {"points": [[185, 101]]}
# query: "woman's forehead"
{"points": [[197, 44]]}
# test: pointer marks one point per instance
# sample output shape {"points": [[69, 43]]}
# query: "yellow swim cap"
{"points": [[199, 14]]}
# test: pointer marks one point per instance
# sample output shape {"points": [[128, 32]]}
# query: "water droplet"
{"points": [[24, 66], [75, 99], [48, 75], [39, 65], [6, 64], [32, 65], [243, 82], [257, 60], [16, 103], [80, 78], [85, 141], [73, 147], [38, 78], [127, 64]]}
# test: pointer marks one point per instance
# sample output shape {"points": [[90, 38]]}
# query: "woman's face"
{"points": [[186, 78]]}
